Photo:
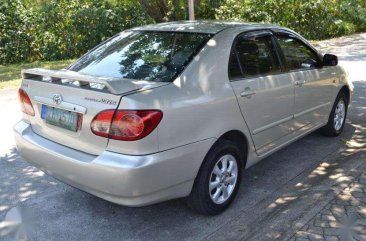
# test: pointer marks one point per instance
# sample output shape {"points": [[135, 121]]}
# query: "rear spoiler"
{"points": [[67, 77]]}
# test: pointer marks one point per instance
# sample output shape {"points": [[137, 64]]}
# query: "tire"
{"points": [[201, 199], [334, 128]]}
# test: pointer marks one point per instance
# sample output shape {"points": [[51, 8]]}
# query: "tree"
{"points": [[157, 9]]}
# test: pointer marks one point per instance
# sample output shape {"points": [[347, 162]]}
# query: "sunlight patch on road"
{"points": [[320, 170], [281, 201]]}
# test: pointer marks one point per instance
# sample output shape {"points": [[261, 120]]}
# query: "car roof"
{"points": [[202, 26]]}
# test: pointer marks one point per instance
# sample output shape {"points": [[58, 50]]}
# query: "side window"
{"points": [[297, 54], [256, 56]]}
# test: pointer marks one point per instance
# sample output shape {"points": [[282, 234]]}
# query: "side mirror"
{"points": [[330, 60]]}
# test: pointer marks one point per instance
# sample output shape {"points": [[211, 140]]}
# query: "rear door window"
{"points": [[253, 56]]}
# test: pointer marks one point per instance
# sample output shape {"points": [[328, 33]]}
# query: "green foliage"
{"points": [[354, 12], [315, 19], [16, 32], [70, 28], [61, 29]]}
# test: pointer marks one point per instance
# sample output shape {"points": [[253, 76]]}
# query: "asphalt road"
{"points": [[263, 210]]}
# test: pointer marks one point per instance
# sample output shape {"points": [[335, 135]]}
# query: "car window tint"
{"points": [[257, 56], [143, 55], [297, 54]]}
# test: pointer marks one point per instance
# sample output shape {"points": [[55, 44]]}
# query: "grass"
{"points": [[10, 74]]}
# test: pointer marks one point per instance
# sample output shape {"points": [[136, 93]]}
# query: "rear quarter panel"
{"points": [[200, 104]]}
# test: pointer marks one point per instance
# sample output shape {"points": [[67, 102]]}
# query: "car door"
{"points": [[265, 94], [313, 84]]}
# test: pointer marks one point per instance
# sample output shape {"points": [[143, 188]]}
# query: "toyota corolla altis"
{"points": [[178, 110]]}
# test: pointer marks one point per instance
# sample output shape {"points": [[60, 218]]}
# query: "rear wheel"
{"points": [[337, 117], [218, 180]]}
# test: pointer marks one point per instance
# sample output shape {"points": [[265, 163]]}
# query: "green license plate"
{"points": [[62, 118]]}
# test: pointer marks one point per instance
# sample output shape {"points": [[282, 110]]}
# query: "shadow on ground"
{"points": [[65, 213]]}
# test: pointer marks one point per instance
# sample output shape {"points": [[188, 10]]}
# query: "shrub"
{"points": [[354, 15], [16, 32], [315, 19], [63, 29], [67, 29]]}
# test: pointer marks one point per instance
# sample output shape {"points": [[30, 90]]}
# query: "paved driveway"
{"points": [[278, 196]]}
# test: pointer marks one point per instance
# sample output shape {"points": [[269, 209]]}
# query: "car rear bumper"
{"points": [[123, 179]]}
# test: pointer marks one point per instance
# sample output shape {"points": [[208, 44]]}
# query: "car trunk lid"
{"points": [[65, 103]]}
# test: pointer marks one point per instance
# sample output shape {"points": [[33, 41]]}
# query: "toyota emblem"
{"points": [[57, 99]]}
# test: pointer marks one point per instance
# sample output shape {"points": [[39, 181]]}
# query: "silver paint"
{"points": [[223, 179], [198, 107]]}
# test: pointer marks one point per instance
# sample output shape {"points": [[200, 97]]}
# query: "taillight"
{"points": [[101, 123], [126, 125], [25, 102]]}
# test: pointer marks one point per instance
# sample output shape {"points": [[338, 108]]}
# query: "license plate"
{"points": [[62, 118]]}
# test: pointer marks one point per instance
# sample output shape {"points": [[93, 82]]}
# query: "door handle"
{"points": [[247, 93]]}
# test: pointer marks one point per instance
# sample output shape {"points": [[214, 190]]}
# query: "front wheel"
{"points": [[218, 180], [337, 117]]}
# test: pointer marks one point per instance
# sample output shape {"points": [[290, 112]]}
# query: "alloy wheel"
{"points": [[339, 115], [223, 179]]}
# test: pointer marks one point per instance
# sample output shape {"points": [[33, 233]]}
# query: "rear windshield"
{"points": [[142, 55]]}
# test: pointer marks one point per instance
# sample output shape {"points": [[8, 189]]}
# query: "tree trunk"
{"points": [[157, 9]]}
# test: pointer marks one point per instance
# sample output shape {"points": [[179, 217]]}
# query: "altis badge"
{"points": [[102, 100]]}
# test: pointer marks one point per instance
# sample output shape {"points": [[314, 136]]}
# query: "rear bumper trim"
{"points": [[122, 179]]}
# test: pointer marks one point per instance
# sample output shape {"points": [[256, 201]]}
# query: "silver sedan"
{"points": [[178, 110]]}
